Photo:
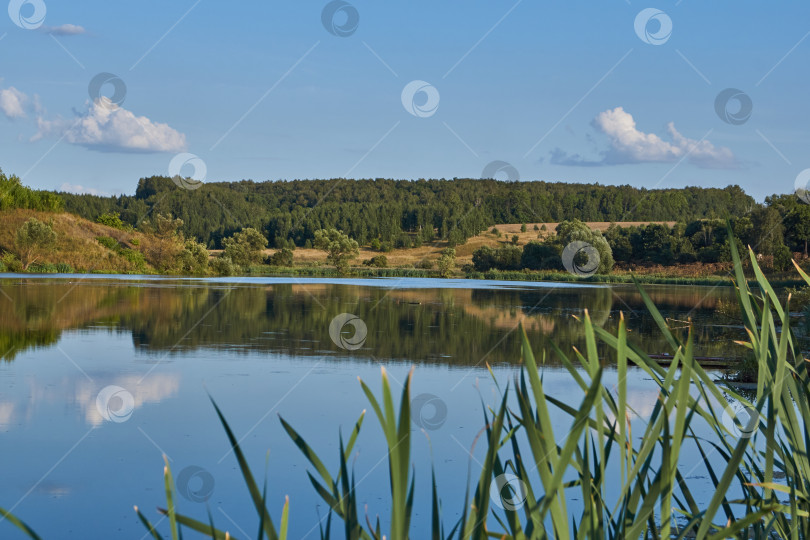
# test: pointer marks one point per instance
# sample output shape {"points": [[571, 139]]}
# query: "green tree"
{"points": [[339, 248], [570, 231], [245, 247], [282, 257], [447, 262], [194, 257], [33, 239], [797, 224]]}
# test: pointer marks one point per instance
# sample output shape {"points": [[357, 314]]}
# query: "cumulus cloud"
{"points": [[64, 30], [630, 145], [13, 102], [106, 127]]}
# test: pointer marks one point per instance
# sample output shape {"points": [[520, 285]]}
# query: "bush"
{"points": [[708, 255], [245, 247], [194, 257], [503, 258], [385, 247], [380, 261], [223, 266], [42, 268], [425, 264], [523, 228], [112, 219], [64, 268], [375, 244], [403, 241], [33, 239], [781, 258], [11, 263], [536, 228], [109, 243], [540, 256], [447, 262], [515, 239], [282, 257]]}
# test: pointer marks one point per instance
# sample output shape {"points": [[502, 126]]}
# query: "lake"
{"points": [[102, 375]]}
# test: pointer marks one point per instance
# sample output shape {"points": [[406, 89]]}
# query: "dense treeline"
{"points": [[289, 213], [15, 195]]}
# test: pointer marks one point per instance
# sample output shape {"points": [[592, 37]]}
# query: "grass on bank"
{"points": [[760, 471]]}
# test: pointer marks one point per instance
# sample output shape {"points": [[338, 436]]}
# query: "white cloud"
{"points": [[13, 102], [106, 127], [630, 145], [64, 30]]}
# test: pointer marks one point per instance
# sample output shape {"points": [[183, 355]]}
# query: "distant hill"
{"points": [[289, 212]]}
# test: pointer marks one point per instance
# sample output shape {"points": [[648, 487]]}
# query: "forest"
{"points": [[289, 213]]}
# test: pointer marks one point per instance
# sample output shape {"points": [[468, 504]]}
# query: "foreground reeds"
{"points": [[760, 469]]}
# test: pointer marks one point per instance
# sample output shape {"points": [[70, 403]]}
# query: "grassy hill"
{"points": [[78, 244]]}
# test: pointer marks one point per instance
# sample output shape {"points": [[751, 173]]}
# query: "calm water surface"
{"points": [[261, 347]]}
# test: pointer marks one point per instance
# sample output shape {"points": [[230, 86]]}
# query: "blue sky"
{"points": [[262, 90]]}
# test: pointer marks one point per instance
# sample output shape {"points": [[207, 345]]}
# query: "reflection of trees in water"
{"points": [[445, 326]]}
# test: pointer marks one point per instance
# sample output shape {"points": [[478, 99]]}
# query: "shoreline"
{"points": [[515, 276]]}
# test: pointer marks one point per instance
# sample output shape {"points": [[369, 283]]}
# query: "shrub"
{"points": [[425, 264], [194, 257], [515, 239], [540, 256], [42, 268], [380, 261], [64, 268], [109, 243], [223, 266], [11, 263], [282, 257], [523, 228], [447, 262], [536, 228], [33, 239], [375, 244], [112, 219], [245, 247], [385, 247]]}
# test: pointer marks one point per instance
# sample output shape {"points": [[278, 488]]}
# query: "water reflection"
{"points": [[433, 325]]}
